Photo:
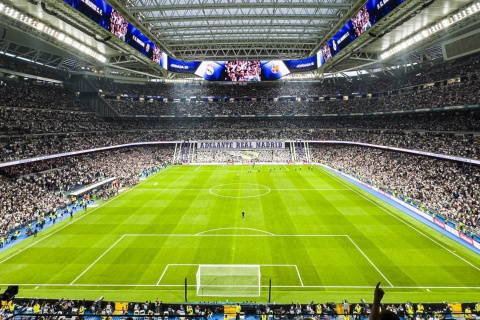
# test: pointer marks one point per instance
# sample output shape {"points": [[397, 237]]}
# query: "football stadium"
{"points": [[254, 159]]}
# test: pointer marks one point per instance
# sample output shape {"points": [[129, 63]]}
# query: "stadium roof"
{"points": [[238, 30], [247, 29]]}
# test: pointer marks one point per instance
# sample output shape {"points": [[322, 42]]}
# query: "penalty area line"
{"points": [[163, 273], [366, 257], [299, 276], [94, 262]]}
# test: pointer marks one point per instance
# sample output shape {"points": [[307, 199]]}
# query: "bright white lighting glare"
{"points": [[425, 33], [25, 59], [50, 31]]}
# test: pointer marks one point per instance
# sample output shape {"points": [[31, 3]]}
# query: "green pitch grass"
{"points": [[316, 236]]}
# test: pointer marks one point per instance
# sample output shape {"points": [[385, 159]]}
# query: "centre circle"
{"points": [[239, 190]]}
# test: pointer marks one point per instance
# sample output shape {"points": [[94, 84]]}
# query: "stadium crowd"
{"points": [[21, 66], [31, 193], [216, 310], [20, 147], [27, 95], [432, 97], [27, 121], [275, 156]]}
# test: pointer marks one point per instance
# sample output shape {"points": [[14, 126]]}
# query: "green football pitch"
{"points": [[312, 234]]}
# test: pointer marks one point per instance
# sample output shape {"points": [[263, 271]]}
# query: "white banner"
{"points": [[241, 145]]}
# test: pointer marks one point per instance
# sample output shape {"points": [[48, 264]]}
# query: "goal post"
{"points": [[228, 280]]}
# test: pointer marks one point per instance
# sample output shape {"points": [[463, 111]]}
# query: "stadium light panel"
{"points": [[40, 26], [425, 33], [445, 23], [25, 59]]}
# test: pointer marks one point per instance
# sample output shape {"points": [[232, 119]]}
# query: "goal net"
{"points": [[228, 280]]}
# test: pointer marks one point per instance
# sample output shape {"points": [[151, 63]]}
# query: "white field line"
{"points": [[236, 189], [299, 277], [286, 167], [399, 219], [197, 264], [193, 285], [278, 189], [229, 235], [163, 273], [197, 235], [232, 228], [94, 262], [255, 189], [197, 168], [244, 264], [313, 189], [366, 257], [75, 220]]}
